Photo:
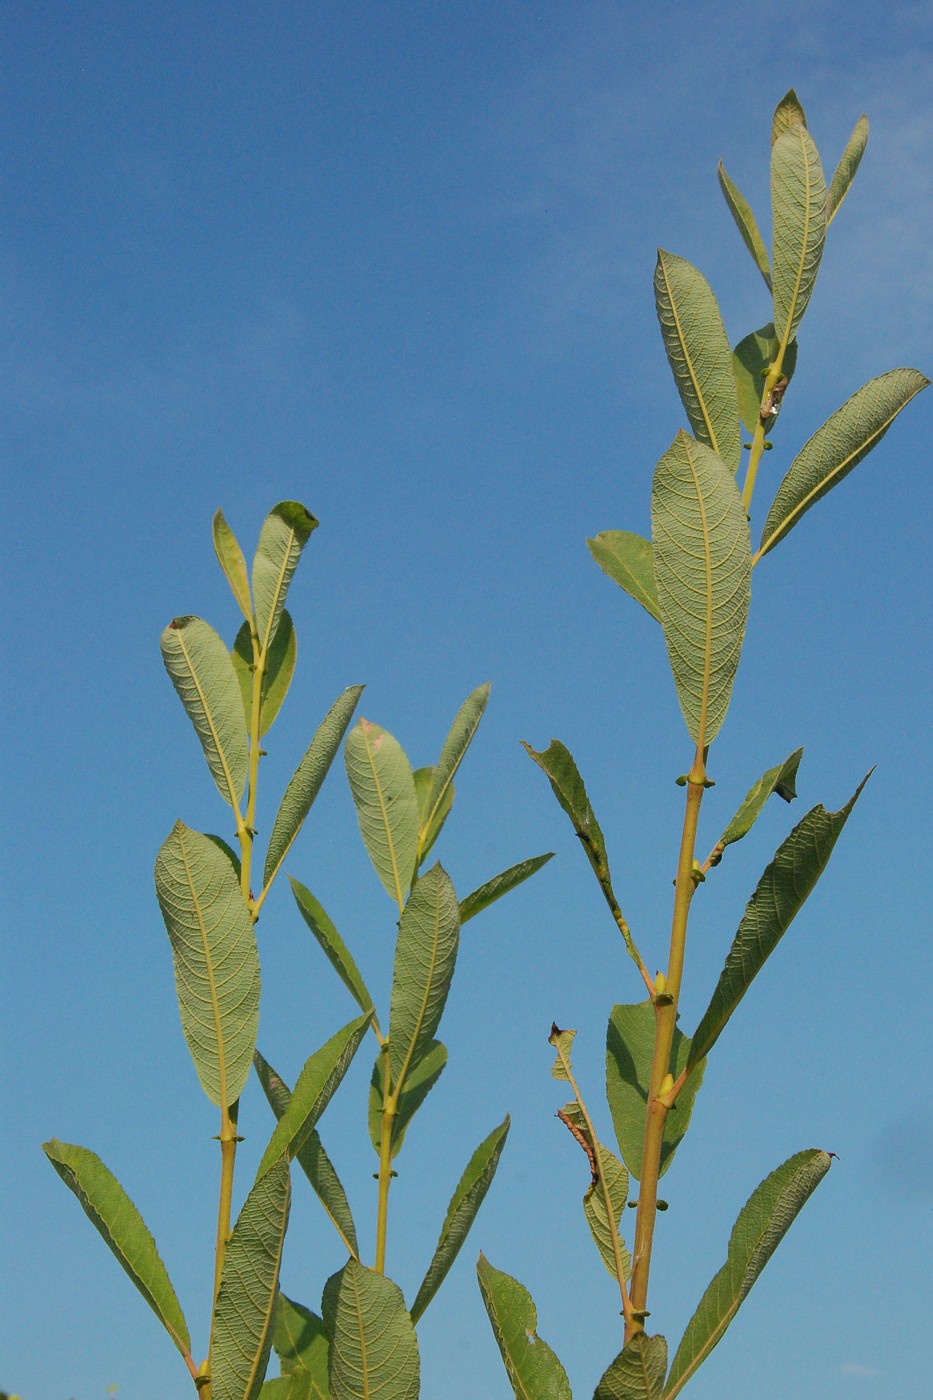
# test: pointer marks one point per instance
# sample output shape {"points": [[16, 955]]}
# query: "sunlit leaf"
{"points": [[845, 171], [751, 360], [335, 950], [423, 1074], [637, 1372], [745, 222], [425, 955], [277, 674], [466, 721], [787, 114], [798, 199], [628, 561], [533, 1370], [230, 558], [609, 1177], [201, 671], [430, 826], [782, 780], [562, 1041], [499, 885], [629, 1052], [300, 1343], [383, 789], [284, 534], [373, 1347]]}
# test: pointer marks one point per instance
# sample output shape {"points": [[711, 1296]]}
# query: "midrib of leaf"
{"points": [[270, 1307], [701, 728], [419, 1022], [399, 897], [792, 307], [361, 1332], [278, 591], [210, 720], [713, 440], [215, 1011]]}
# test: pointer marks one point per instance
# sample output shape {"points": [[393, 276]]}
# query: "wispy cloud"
{"points": [[855, 1368]]}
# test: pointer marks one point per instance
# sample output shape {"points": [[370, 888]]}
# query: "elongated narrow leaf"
{"points": [[782, 779], [425, 954], [307, 779], [464, 1204], [702, 563], [312, 1092], [200, 669], [300, 1343], [122, 1229], [798, 199], [780, 894], [845, 171], [699, 355], [609, 1178], [787, 114], [751, 360], [383, 788], [837, 447], [567, 785], [248, 1287], [762, 1224], [312, 1158], [230, 558], [628, 561], [466, 721], [430, 823], [423, 1074], [277, 674], [373, 1347], [216, 960], [629, 1052], [499, 885], [284, 534], [335, 950], [533, 1370], [745, 222], [637, 1372]]}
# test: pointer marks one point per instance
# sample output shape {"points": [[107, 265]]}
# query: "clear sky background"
{"points": [[395, 260]]}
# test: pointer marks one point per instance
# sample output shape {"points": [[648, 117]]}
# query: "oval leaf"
{"points": [[335, 950], [798, 198], [637, 1372], [425, 955], [533, 1369], [628, 561], [629, 1052], [383, 788], [741, 212], [499, 885], [373, 1347], [284, 534], [201, 671], [845, 170], [277, 673], [230, 558]]}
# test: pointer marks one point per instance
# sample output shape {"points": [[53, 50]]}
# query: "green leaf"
{"points": [[423, 1074], [608, 1177], [637, 1372], [787, 114], [373, 1347], [464, 1205], [230, 558], [335, 950], [534, 1371], [629, 1052], [123, 1230], [503, 883], [845, 171], [277, 675], [430, 827], [242, 1337], [312, 1093], [216, 960], [837, 447], [702, 564], [312, 1159], [562, 1041], [782, 780], [745, 222], [798, 198], [780, 894], [201, 671], [425, 955], [699, 355], [762, 1224], [628, 561], [284, 534], [383, 789], [305, 783], [301, 1345], [567, 785], [466, 721], [751, 360]]}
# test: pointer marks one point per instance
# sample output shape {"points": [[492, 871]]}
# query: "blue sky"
{"points": [[395, 260]]}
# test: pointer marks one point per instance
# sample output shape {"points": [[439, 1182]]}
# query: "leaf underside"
{"points": [[284, 534], [533, 1370], [373, 1347], [386, 801], [628, 561], [202, 673], [637, 1372], [425, 955], [798, 197]]}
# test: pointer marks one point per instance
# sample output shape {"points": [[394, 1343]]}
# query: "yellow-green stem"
{"points": [[389, 1102], [773, 377], [228, 1143]]}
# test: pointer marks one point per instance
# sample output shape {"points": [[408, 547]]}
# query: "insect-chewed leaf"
{"points": [[751, 360], [562, 1042], [533, 1370], [201, 671], [230, 558], [837, 447], [637, 1372], [466, 721], [305, 783], [762, 1224], [248, 1288], [122, 1229], [499, 885], [798, 199], [462, 1211], [628, 561], [423, 1074], [741, 211], [604, 1227], [284, 534], [629, 1051], [300, 1343], [787, 114], [845, 170], [215, 956], [277, 674], [425, 955], [699, 355], [335, 950], [782, 779], [780, 894], [702, 563], [373, 1347], [383, 788]]}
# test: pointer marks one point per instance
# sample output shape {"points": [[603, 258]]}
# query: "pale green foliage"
{"points": [[503, 883], [750, 361], [383, 788], [781, 780], [428, 938], [284, 534], [373, 1347], [745, 221], [422, 1075], [334, 948], [845, 170], [637, 1372], [798, 206], [533, 1369], [628, 559], [277, 674], [200, 669]]}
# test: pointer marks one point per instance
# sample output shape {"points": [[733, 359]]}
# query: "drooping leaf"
{"points": [[300, 1343], [628, 561], [312, 1159], [762, 1224], [248, 1287], [425, 954], [123, 1230], [383, 789], [313, 1091], [215, 956], [782, 780], [781, 892], [466, 721], [702, 563], [201, 671], [306, 781], [462, 1211], [284, 534], [699, 355], [787, 114], [849, 162], [423, 1074], [230, 558], [837, 447], [503, 883], [277, 674], [609, 1178], [562, 1041], [373, 1347], [335, 950], [629, 1052], [637, 1372], [798, 199], [533, 1370], [429, 826], [751, 360], [745, 222]]}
